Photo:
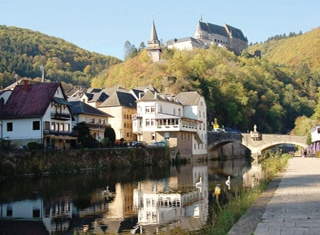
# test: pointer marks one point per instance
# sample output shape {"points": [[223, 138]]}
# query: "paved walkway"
{"points": [[292, 208]]}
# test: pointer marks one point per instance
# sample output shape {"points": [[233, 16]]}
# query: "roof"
{"points": [[189, 98], [213, 29], [120, 98], [186, 39], [226, 30], [110, 90], [151, 96], [141, 90], [236, 33], [153, 34], [79, 107], [98, 96], [154, 96], [31, 104]]}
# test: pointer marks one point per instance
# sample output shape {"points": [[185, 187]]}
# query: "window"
{"points": [[36, 213], [67, 127], [147, 122], [53, 124], [36, 125], [152, 109], [152, 122], [174, 111], [199, 113], [147, 109], [46, 125], [61, 127], [9, 126], [9, 211]]}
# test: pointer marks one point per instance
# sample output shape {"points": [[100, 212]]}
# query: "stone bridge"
{"points": [[254, 141]]}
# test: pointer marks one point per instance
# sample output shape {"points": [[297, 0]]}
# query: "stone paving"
{"points": [[294, 207]]}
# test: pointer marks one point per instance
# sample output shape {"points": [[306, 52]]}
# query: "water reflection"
{"points": [[146, 200]]}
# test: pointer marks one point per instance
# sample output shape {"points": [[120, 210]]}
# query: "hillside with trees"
{"points": [[240, 91], [22, 51]]}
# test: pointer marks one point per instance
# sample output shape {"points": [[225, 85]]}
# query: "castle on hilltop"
{"points": [[206, 34]]}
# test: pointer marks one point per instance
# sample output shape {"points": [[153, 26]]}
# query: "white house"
{"points": [[181, 120], [37, 113]]}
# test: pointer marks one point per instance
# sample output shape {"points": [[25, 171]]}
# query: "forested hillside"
{"points": [[22, 51], [240, 91]]}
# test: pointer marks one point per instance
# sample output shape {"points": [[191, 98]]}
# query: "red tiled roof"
{"points": [[30, 104]]}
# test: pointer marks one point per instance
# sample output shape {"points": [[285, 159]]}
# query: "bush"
{"points": [[34, 145]]}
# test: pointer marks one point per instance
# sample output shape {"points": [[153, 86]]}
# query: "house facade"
{"points": [[122, 106], [37, 113], [95, 119], [160, 116]]}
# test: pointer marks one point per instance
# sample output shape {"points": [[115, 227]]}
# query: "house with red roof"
{"points": [[37, 113]]}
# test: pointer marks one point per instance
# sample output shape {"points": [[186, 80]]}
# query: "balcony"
{"points": [[137, 116], [60, 133], [60, 116], [97, 125]]}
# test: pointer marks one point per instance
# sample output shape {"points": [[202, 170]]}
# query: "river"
{"points": [[144, 200]]}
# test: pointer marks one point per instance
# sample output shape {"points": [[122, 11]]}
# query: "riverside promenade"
{"points": [[289, 206]]}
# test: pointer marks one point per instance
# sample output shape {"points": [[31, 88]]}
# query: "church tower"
{"points": [[153, 48]]}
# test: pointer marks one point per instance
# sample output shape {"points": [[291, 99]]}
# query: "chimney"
{"points": [[26, 86]]}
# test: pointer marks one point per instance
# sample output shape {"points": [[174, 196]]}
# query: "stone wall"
{"points": [[17, 163]]}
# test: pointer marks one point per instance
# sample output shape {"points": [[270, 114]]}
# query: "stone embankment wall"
{"points": [[39, 162]]}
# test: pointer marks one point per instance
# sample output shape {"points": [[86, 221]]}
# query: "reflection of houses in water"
{"points": [[53, 216], [108, 213], [173, 202]]}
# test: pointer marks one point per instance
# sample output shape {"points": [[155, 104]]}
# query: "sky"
{"points": [[104, 26]]}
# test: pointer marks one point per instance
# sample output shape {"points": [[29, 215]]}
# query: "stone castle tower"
{"points": [[153, 48]]}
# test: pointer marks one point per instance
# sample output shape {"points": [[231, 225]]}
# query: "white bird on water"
{"points": [[106, 192], [199, 184], [228, 182]]}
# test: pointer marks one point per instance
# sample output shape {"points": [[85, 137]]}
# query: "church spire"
{"points": [[153, 35], [153, 48]]}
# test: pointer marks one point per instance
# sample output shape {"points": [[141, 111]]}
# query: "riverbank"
{"points": [[223, 219], [26, 163]]}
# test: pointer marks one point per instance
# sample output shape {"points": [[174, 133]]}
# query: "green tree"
{"points": [[130, 50], [85, 138], [110, 134]]}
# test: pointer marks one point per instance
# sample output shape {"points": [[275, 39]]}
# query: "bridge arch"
{"points": [[256, 143]]}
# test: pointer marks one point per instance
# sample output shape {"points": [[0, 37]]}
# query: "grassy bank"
{"points": [[222, 218]]}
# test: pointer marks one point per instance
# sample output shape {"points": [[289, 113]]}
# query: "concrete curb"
{"points": [[247, 224]]}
